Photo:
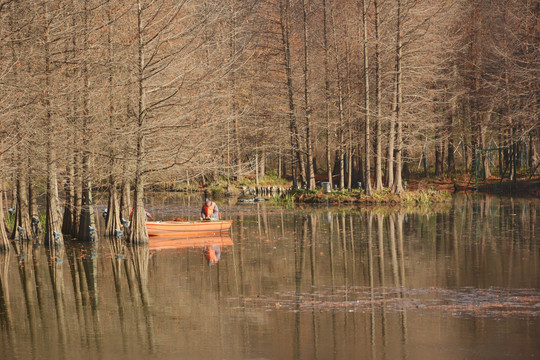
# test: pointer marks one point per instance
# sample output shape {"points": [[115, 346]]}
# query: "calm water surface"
{"points": [[461, 281]]}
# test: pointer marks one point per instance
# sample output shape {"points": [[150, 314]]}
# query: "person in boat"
{"points": [[148, 215], [210, 211], [212, 254]]}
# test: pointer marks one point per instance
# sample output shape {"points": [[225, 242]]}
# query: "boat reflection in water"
{"points": [[211, 245]]}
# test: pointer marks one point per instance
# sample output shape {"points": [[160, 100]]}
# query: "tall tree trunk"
{"points": [[367, 160], [52, 225], [398, 186], [87, 227], [327, 95], [113, 207], [378, 101], [307, 104], [341, 111], [296, 156], [21, 229], [138, 231]]}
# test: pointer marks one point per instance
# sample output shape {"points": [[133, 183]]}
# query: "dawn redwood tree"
{"points": [[378, 99], [53, 233], [87, 218], [367, 160], [296, 155], [397, 186]]}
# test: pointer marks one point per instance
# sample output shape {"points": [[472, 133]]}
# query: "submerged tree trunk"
{"points": [[87, 226], [113, 207], [67, 221], [22, 228], [113, 210], [52, 225], [138, 231], [4, 241]]}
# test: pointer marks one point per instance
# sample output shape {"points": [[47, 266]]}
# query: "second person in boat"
{"points": [[210, 211]]}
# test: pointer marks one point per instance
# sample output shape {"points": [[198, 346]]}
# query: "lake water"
{"points": [[458, 281]]}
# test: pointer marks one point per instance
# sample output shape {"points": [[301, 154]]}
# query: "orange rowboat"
{"points": [[159, 243], [188, 228]]}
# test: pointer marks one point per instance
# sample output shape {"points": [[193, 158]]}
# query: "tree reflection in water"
{"points": [[306, 283]]}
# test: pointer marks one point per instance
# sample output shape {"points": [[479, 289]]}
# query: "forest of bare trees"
{"points": [[125, 95]]}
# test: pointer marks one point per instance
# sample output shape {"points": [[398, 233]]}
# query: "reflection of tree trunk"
{"points": [[371, 284], [313, 222], [23, 249], [403, 314], [380, 236], [56, 259], [116, 248], [6, 320], [76, 277], [393, 249], [298, 272], [139, 257]]}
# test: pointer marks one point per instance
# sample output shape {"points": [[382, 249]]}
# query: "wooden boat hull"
{"points": [[163, 243], [191, 228]]}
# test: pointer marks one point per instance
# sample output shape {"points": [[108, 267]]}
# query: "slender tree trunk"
{"points": [[398, 186], [296, 157], [307, 105], [327, 95], [438, 155], [138, 231], [484, 145], [22, 228], [113, 207], [125, 196], [4, 241], [378, 101], [32, 210], [367, 160], [52, 226], [87, 227], [391, 138], [341, 110]]}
